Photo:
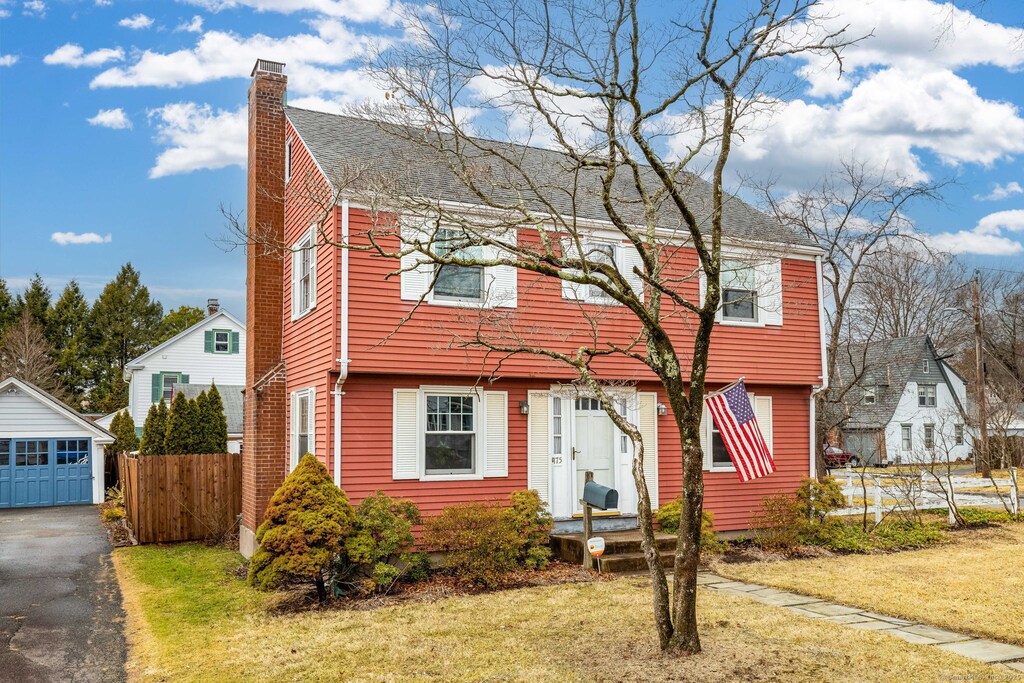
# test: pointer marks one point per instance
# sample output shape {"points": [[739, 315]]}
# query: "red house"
{"points": [[331, 371]]}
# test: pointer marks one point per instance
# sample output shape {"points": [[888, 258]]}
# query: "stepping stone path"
{"points": [[989, 651]]}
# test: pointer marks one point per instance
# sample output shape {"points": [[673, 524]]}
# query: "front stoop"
{"points": [[622, 550]]}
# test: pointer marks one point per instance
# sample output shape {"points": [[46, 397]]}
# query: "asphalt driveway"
{"points": [[60, 605]]}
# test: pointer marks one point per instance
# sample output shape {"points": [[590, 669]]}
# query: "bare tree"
{"points": [[854, 215], [630, 103], [25, 354]]}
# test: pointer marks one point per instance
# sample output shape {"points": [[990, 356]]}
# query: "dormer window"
{"points": [[926, 366], [869, 396]]}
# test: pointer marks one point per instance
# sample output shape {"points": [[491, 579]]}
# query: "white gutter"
{"points": [[343, 361], [824, 365]]}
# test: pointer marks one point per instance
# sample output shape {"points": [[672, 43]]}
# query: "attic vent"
{"points": [[267, 66]]}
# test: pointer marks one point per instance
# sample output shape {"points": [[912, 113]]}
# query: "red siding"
{"points": [[366, 463]]}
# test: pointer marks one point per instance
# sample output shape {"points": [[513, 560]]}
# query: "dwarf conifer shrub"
{"points": [[818, 498], [305, 525], [376, 550]]}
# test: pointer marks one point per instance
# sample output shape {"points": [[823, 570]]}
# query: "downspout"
{"points": [[343, 360], [817, 389]]}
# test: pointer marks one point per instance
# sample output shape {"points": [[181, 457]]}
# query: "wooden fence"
{"points": [[181, 497]]}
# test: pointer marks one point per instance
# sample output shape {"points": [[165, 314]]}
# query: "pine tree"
{"points": [[305, 523], [67, 330], [154, 430], [126, 439], [214, 423], [8, 313], [182, 427], [178, 320], [35, 300]]}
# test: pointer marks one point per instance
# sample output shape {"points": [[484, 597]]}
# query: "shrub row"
{"points": [[189, 426]]}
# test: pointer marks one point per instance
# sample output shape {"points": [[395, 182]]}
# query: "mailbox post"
{"points": [[588, 522], [594, 496]]}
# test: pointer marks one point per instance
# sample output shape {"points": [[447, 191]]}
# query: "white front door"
{"points": [[594, 445]]}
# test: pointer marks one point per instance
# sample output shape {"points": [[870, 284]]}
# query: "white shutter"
{"points": [[648, 425], [502, 285], [763, 413], [405, 435], [572, 290], [417, 271], [630, 259], [705, 435], [312, 267], [496, 434], [769, 292], [702, 287], [311, 420], [295, 284], [538, 474], [293, 433]]}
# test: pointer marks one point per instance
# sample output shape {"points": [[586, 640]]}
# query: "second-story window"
{"points": [[455, 282], [869, 396], [221, 341], [288, 161], [169, 380], [304, 274], [926, 395], [739, 291]]}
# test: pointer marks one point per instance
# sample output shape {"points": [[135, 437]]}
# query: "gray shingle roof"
{"points": [[230, 395], [885, 365], [340, 142]]}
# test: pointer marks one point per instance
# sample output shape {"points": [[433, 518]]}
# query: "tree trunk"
{"points": [[649, 546], [321, 589], [685, 638]]}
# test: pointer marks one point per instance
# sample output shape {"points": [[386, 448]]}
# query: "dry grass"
{"points": [[972, 584], [190, 619], [996, 474], [985, 489]]}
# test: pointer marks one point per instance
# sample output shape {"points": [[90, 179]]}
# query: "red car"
{"points": [[837, 457]]}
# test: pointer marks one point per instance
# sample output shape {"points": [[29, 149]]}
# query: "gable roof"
{"points": [[182, 334], [101, 434], [230, 395], [337, 142]]}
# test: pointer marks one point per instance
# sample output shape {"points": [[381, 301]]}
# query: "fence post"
{"points": [[1014, 492], [949, 501], [920, 489], [878, 500]]}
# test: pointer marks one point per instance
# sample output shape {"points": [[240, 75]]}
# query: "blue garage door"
{"points": [[36, 472]]}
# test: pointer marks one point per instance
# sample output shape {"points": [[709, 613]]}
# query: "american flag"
{"points": [[736, 422]]}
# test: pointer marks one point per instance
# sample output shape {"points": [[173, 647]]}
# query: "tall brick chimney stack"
{"points": [[264, 448]]}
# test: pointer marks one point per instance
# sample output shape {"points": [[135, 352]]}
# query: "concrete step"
{"points": [[631, 562]]}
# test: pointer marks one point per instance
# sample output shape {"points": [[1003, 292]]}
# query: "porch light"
{"points": [[524, 407], [662, 410]]}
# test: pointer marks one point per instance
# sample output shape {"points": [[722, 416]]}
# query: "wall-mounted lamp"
{"points": [[524, 407], [662, 410]]}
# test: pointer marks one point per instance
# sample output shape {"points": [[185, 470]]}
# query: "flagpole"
{"points": [[725, 388]]}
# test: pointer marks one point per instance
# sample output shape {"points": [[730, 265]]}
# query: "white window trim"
{"points": [[924, 436], [307, 241], [288, 161], [479, 432], [293, 438], [910, 434], [927, 367], [227, 350], [872, 394], [588, 242]]}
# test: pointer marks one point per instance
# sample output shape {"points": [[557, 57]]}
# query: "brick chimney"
{"points": [[264, 448], [212, 306]]}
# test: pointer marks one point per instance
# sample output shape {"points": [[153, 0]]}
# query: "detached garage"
{"points": [[49, 454]]}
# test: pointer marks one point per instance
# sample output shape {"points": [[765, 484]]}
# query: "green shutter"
{"points": [[182, 379], [208, 341], [158, 386], [234, 342]]}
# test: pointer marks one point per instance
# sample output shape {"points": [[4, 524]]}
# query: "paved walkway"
{"points": [[988, 651], [60, 605]]}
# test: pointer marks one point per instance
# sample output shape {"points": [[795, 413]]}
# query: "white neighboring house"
{"points": [[908, 405], [49, 454], [211, 351]]}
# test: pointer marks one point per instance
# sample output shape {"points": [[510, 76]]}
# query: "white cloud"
{"points": [[74, 56], [34, 8], [198, 137], [8, 60], [220, 54], [111, 118], [1000, 192], [104, 3], [66, 238], [136, 22], [986, 238], [353, 10], [194, 25]]}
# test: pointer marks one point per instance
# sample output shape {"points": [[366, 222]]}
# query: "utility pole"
{"points": [[981, 462]]}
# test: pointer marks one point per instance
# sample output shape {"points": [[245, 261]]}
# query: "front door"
{"points": [[594, 446]]}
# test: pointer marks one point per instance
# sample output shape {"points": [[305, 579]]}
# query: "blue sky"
{"points": [[124, 118]]}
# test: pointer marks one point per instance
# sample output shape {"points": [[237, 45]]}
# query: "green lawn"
{"points": [[191, 619]]}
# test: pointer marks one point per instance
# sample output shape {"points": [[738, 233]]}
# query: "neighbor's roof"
{"points": [[337, 142], [188, 330], [103, 436], [230, 395], [885, 365]]}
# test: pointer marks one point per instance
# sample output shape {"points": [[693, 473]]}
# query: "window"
{"points": [[958, 435], [739, 291], [926, 366], [72, 451], [288, 161], [906, 436], [221, 341], [929, 437], [457, 283], [31, 453], [719, 455], [869, 396], [304, 275], [169, 380], [450, 435], [5, 453], [556, 425], [926, 395], [599, 252], [302, 424]]}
